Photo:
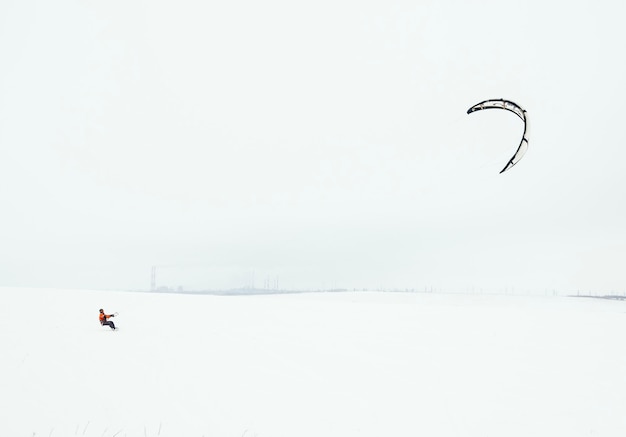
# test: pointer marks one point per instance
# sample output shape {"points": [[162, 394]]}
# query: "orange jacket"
{"points": [[103, 317]]}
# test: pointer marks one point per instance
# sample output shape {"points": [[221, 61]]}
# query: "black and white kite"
{"points": [[517, 110]]}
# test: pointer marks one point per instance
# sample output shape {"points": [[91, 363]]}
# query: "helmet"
{"points": [[101, 310]]}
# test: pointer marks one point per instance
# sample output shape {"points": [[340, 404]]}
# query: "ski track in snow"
{"points": [[328, 364]]}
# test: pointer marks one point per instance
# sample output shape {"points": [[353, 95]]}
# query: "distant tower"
{"points": [[153, 279]]}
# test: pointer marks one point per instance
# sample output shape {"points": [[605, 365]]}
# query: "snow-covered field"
{"points": [[303, 365]]}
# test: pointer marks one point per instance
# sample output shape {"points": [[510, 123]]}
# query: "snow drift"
{"points": [[341, 364]]}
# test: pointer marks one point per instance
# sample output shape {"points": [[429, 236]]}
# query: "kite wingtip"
{"points": [[508, 166]]}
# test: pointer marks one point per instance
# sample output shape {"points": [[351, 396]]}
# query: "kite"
{"points": [[517, 110]]}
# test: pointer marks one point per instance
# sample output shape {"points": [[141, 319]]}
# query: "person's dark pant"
{"points": [[109, 323]]}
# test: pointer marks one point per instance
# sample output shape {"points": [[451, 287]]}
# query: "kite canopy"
{"points": [[517, 110]]}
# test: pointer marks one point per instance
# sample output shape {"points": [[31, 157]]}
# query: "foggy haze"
{"points": [[319, 145]]}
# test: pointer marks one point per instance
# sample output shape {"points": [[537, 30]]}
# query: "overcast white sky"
{"points": [[322, 143]]}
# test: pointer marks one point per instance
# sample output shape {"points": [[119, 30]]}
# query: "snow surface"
{"points": [[327, 364]]}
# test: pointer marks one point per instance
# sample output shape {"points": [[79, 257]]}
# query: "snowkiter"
{"points": [[104, 319]]}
